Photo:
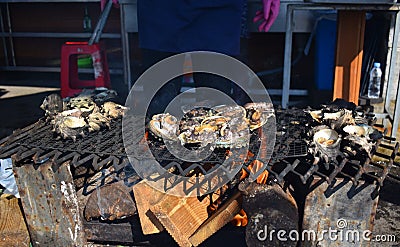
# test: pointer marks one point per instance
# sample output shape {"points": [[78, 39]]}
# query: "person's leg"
{"points": [[167, 92]]}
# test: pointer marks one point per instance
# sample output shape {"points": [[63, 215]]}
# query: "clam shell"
{"points": [[165, 126], [357, 130], [73, 122], [326, 138]]}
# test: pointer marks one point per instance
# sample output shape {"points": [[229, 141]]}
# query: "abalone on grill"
{"points": [[84, 103], [165, 126], [96, 121], [327, 138], [230, 111], [258, 114], [113, 110], [69, 126], [52, 105]]}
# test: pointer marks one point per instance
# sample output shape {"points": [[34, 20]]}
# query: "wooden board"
{"points": [[349, 53], [145, 197], [219, 219], [181, 216], [13, 231]]}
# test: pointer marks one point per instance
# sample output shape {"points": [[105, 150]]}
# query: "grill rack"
{"points": [[105, 148]]}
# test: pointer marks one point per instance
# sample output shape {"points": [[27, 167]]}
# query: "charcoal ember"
{"points": [[269, 208], [110, 202], [341, 104]]}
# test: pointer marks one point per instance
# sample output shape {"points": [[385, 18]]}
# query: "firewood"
{"points": [[269, 207], [145, 197], [219, 219], [110, 202], [182, 216], [13, 231]]}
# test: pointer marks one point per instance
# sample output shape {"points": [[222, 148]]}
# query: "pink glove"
{"points": [[103, 3], [268, 14]]}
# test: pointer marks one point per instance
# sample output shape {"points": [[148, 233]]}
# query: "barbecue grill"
{"points": [[36, 147]]}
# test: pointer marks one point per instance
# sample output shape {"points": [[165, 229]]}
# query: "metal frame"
{"points": [[128, 25], [286, 91], [6, 33], [393, 60]]}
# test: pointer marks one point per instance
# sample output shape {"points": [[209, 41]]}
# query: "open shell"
{"points": [[113, 110], [258, 114], [326, 138], [164, 126]]}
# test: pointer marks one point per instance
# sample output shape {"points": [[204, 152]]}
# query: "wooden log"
{"points": [[145, 197], [220, 218], [182, 216], [110, 202], [269, 208], [13, 231]]}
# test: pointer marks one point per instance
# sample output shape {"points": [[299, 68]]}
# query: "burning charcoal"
{"points": [[341, 104], [110, 202]]}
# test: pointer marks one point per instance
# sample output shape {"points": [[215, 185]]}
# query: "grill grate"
{"points": [[96, 150]]}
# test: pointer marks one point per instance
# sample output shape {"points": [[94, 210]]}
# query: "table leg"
{"points": [[288, 57]]}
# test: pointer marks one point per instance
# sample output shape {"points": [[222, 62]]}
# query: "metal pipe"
{"points": [[287, 57], [100, 24], [14, 63], [3, 38], [125, 48], [393, 61], [57, 35]]}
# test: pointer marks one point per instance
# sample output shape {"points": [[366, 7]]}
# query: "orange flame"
{"points": [[240, 219]]}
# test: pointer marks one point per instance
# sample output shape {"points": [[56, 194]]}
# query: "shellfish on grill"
{"points": [[69, 126], [96, 121], [52, 105], [327, 138], [230, 111], [84, 103], [165, 126], [113, 110], [258, 113], [199, 113]]}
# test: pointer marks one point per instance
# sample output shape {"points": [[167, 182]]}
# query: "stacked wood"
{"points": [[110, 202]]}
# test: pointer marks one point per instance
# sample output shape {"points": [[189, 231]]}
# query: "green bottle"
{"points": [[87, 22]]}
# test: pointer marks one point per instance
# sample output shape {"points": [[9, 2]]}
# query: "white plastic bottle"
{"points": [[374, 87]]}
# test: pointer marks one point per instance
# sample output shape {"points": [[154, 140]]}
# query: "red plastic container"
{"points": [[71, 84]]}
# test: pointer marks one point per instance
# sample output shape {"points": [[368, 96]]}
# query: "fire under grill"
{"points": [[38, 144]]}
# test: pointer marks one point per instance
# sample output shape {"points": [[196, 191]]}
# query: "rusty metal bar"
{"points": [[50, 205]]}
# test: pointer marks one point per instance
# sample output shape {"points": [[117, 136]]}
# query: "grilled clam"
{"points": [[113, 110], [164, 126], [230, 111], [52, 105], [199, 113], [96, 121], [69, 126], [201, 135], [84, 103], [258, 113]]}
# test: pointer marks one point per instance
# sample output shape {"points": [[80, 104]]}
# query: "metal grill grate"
{"points": [[37, 143]]}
